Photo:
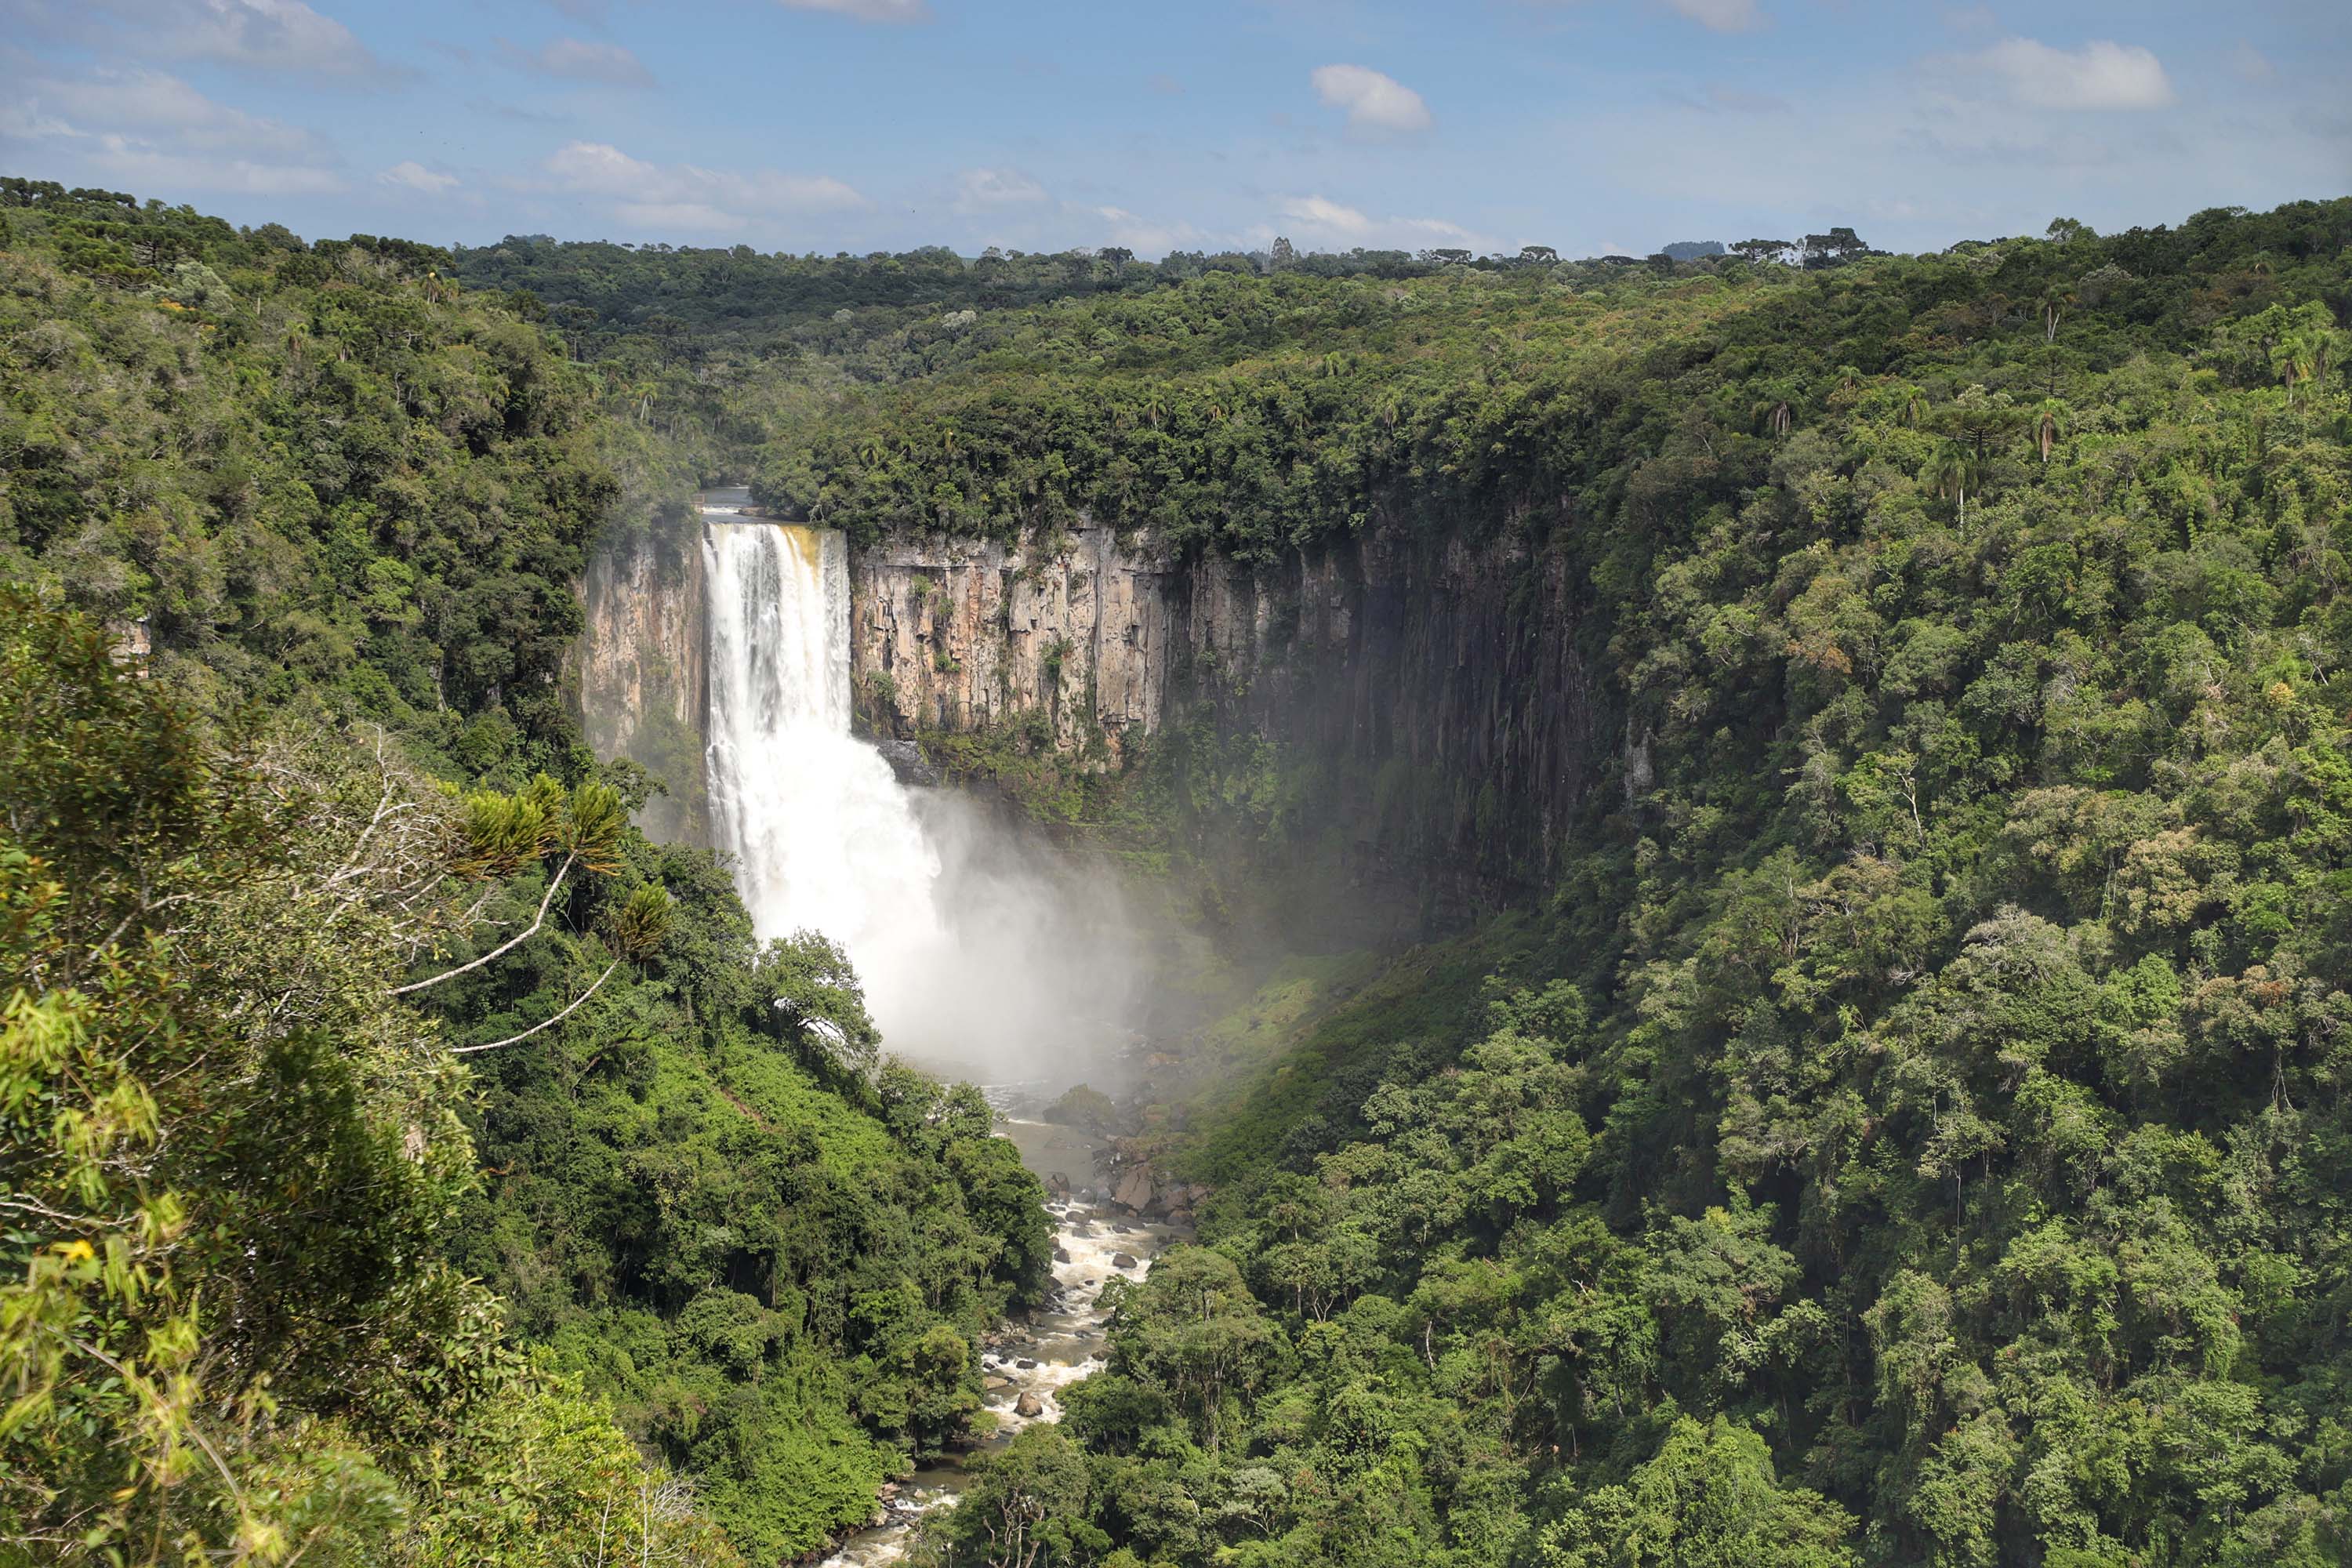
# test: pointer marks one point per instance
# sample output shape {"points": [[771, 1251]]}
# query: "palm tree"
{"points": [[2053, 307], [2049, 424], [2318, 351], [1954, 471], [1774, 411], [2292, 358]]}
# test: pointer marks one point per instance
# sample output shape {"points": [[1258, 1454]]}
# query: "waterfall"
{"points": [[984, 950], [824, 836]]}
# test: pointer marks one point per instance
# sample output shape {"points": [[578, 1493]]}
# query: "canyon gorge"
{"points": [[1406, 712]]}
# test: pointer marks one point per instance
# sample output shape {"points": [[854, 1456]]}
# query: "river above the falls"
{"points": [[1040, 1353]]}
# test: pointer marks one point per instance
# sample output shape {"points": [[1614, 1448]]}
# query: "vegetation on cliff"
{"points": [[1915, 1131], [404, 1161]]}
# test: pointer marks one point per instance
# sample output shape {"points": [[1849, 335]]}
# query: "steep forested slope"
{"points": [[295, 826], [1913, 1131], [1916, 1132]]}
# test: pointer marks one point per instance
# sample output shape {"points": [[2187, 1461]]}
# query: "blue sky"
{"points": [[824, 125]]}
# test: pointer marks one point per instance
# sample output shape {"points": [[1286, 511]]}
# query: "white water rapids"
{"points": [[974, 957], [1062, 1341]]}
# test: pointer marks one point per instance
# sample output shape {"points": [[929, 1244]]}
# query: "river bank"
{"points": [[1032, 1356]]}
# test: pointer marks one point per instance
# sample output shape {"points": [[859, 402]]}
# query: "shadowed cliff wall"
{"points": [[1401, 719], [640, 667]]}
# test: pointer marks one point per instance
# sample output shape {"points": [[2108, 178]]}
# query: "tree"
{"points": [[2049, 423], [1835, 248], [2055, 299], [1708, 1498], [1193, 1328], [1953, 471], [224, 1169], [1027, 1506], [2303, 357]]}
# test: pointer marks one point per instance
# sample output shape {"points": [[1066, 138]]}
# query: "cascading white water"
{"points": [[985, 953], [975, 954], [824, 836]]}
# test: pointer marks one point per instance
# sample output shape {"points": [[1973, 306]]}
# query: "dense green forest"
{"points": [[1914, 1131], [321, 1244]]}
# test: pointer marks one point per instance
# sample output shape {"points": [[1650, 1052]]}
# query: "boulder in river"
{"points": [[1134, 1189], [1122, 1260], [1029, 1407], [1061, 1255], [1058, 1184], [1026, 1364]]}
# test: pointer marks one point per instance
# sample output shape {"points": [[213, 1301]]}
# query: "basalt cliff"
{"points": [[1405, 714]]}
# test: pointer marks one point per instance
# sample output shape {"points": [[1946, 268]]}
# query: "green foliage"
{"points": [[249, 1178], [318, 470], [1914, 1132], [229, 1152]]}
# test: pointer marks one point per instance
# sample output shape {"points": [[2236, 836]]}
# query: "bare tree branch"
{"points": [[505, 947], [547, 1023]]}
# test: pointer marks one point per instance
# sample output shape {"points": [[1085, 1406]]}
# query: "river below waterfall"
{"points": [[1043, 1352], [982, 955]]}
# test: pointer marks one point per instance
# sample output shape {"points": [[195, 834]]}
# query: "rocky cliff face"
{"points": [[640, 669], [957, 637], [1401, 719], [1412, 713]]}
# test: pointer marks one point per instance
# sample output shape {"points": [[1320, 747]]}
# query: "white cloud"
{"points": [[1322, 221], [1721, 16], [686, 196], [1438, 228], [2250, 64], [2099, 75], [261, 34], [416, 178], [155, 134], [1140, 234], [145, 168], [865, 10], [981, 191], [1324, 214], [582, 59], [136, 100], [1374, 101]]}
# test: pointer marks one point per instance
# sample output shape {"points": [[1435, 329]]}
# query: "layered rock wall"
{"points": [[640, 668], [1432, 720], [1403, 717]]}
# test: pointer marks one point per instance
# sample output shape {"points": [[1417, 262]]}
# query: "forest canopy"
{"points": [[404, 1159], [1912, 1127]]}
